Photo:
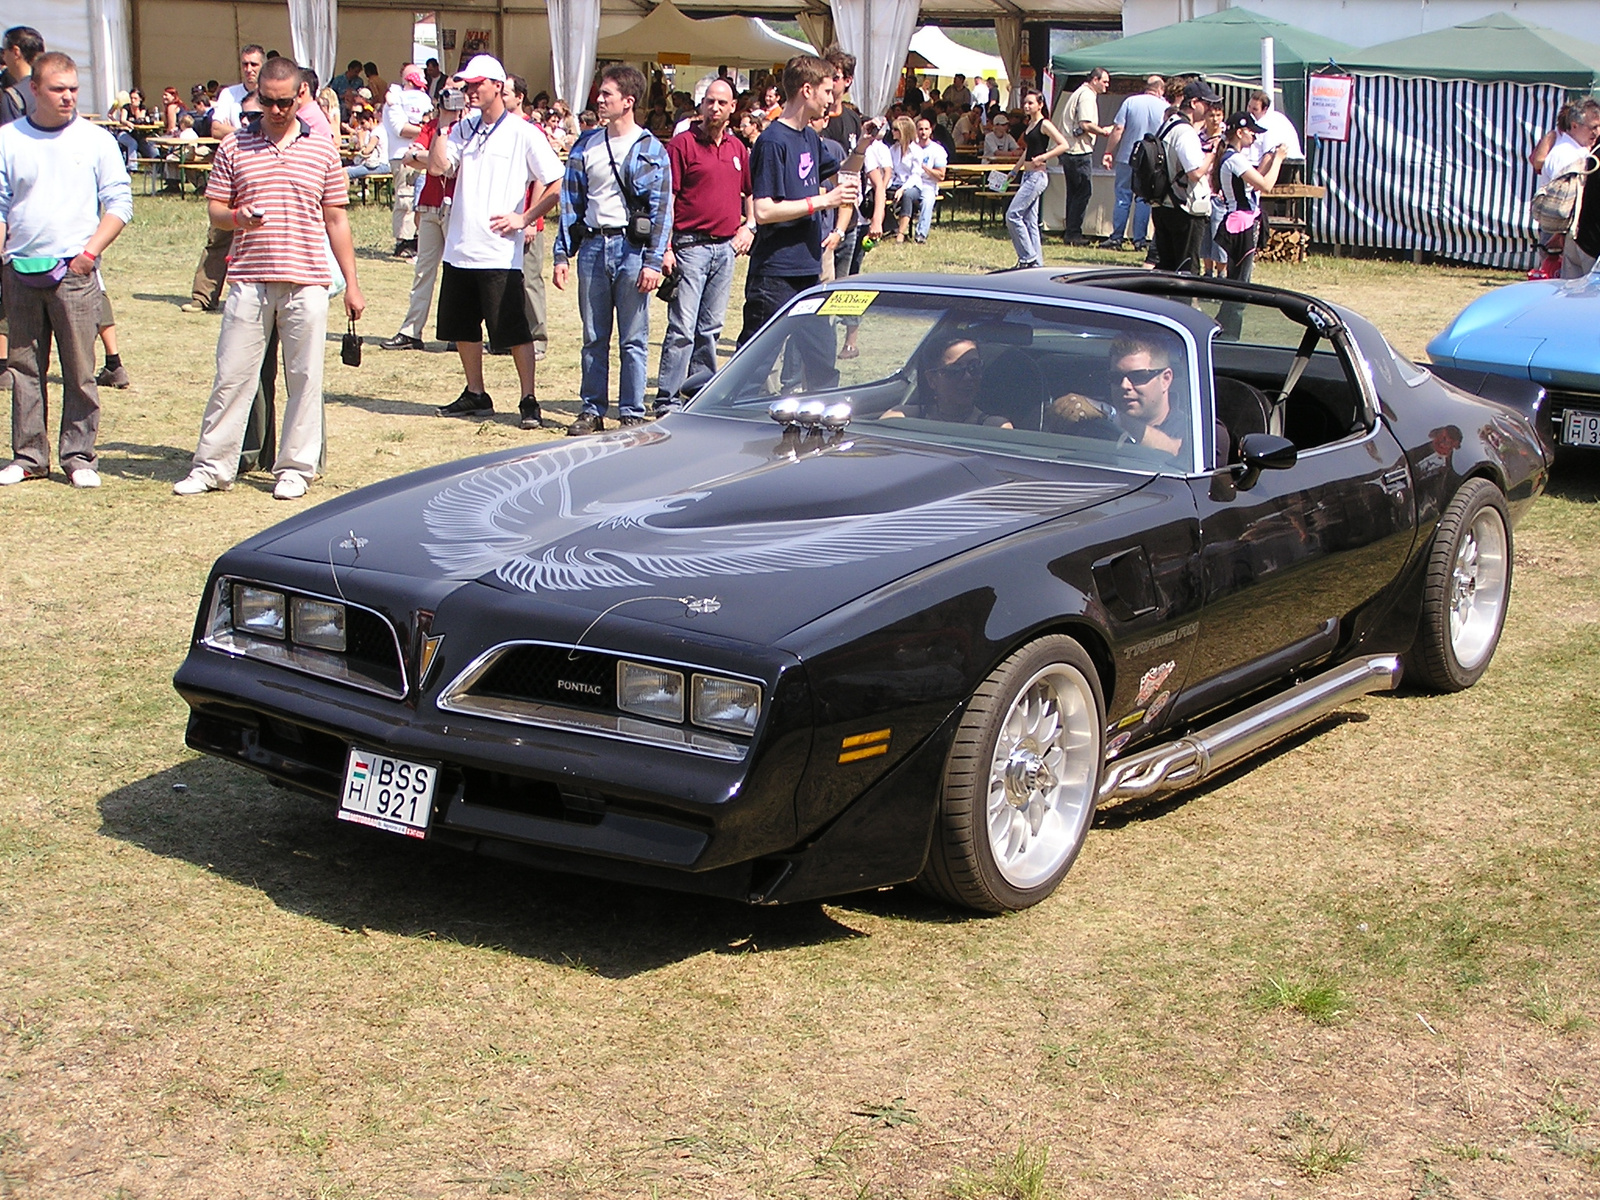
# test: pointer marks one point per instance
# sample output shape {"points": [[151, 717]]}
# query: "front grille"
{"points": [[552, 675], [369, 640]]}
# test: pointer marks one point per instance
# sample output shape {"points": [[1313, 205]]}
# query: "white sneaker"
{"points": [[14, 473], [196, 482], [290, 487], [86, 477]]}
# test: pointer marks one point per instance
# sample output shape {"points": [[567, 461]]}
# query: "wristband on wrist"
{"points": [[89, 254], [811, 206]]}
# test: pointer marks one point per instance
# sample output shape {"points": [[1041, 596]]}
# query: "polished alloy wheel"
{"points": [[1042, 776], [1478, 588]]}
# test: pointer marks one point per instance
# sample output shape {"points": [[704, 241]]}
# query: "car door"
{"points": [[1289, 556]]}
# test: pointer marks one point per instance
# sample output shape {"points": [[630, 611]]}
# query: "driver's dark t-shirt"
{"points": [[789, 164]]}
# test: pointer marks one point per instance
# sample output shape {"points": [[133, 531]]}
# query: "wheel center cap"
{"points": [[1026, 775]]}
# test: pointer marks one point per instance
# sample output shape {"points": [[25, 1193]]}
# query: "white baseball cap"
{"points": [[482, 66]]}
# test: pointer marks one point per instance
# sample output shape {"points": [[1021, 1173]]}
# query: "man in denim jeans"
{"points": [[1138, 116], [713, 222], [615, 173]]}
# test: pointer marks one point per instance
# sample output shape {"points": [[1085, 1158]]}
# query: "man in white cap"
{"points": [[405, 109], [493, 157]]}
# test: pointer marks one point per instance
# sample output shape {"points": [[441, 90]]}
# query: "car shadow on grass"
{"points": [[291, 849], [1127, 812], [1575, 476]]}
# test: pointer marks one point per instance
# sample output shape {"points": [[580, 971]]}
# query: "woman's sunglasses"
{"points": [[970, 367]]}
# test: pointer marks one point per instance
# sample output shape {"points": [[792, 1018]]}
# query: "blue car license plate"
{"points": [[387, 793]]}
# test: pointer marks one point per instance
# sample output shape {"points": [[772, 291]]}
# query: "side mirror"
{"points": [[694, 383], [1263, 452]]}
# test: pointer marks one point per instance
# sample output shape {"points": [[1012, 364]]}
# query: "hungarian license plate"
{"points": [[1580, 428], [387, 793]]}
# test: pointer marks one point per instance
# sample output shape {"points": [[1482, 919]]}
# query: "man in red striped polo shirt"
{"points": [[283, 191]]}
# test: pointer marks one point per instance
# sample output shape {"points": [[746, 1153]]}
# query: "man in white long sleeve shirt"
{"points": [[64, 197]]}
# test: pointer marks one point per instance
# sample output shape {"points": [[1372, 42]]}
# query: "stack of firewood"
{"points": [[1284, 245]]}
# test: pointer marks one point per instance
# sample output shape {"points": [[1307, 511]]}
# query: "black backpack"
{"points": [[1149, 175]]}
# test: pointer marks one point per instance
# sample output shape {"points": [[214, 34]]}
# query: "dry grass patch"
{"points": [[210, 988]]}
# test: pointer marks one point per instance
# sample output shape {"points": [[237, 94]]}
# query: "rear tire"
{"points": [[1465, 591], [1021, 780]]}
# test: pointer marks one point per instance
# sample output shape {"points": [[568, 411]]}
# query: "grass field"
{"points": [[1368, 965]]}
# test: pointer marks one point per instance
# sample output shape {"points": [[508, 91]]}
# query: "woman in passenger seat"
{"points": [[949, 374]]}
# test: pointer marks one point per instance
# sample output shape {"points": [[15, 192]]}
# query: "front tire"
{"points": [[1465, 591], [1021, 780]]}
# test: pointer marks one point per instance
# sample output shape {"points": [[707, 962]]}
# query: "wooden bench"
{"points": [[381, 183], [196, 175], [956, 193], [991, 204]]}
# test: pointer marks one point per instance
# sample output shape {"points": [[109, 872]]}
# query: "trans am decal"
{"points": [[519, 520]]}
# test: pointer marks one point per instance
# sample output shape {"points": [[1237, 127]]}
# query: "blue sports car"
{"points": [[1546, 332]]}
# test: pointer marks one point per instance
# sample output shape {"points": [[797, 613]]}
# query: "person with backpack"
{"points": [[616, 221], [1139, 115], [1041, 141], [1171, 170]]}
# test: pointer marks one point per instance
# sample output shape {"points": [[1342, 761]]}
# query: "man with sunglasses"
{"points": [[282, 190], [1145, 409]]}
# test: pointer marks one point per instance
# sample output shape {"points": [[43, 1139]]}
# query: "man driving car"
{"points": [[1145, 411]]}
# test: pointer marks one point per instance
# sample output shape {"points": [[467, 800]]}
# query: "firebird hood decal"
{"points": [[516, 520]]}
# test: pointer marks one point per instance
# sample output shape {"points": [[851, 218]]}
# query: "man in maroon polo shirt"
{"points": [[713, 222]]}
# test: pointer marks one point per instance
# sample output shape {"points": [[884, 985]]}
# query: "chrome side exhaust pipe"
{"points": [[1190, 759]]}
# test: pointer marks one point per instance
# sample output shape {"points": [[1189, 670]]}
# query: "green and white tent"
{"points": [[1441, 127]]}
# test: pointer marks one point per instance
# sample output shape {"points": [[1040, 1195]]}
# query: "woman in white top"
{"points": [[1237, 189], [369, 158], [1236, 199]]}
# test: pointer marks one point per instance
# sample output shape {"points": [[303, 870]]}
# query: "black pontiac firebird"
{"points": [[933, 566]]}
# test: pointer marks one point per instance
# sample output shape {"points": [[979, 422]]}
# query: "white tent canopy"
{"points": [[947, 58], [734, 41]]}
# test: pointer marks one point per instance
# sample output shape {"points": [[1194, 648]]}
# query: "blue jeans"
{"points": [[694, 318], [923, 196], [1022, 218], [608, 287], [1125, 199]]}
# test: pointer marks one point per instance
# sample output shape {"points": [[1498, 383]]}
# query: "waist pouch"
{"points": [[40, 272], [1240, 220]]}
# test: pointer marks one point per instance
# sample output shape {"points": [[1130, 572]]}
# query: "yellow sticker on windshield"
{"points": [[847, 304]]}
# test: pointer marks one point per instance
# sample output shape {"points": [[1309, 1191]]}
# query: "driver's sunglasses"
{"points": [[1141, 377], [966, 366], [284, 103]]}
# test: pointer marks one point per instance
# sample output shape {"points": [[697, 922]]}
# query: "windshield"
{"points": [[1038, 380]]}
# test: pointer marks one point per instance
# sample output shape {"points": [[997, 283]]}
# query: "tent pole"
{"points": [[1268, 72]]}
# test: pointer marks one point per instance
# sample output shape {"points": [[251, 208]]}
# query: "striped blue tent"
{"points": [[1441, 127]]}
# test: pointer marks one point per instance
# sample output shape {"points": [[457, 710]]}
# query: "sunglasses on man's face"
{"points": [[1142, 377], [284, 103]]}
